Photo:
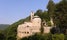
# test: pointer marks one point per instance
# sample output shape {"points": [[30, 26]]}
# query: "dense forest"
{"points": [[57, 11]]}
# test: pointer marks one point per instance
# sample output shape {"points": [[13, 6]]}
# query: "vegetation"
{"points": [[60, 16], [3, 26], [45, 37], [56, 11]]}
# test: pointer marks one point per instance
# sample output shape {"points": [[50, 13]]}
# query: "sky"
{"points": [[14, 10]]}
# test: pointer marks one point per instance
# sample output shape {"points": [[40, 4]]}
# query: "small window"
{"points": [[27, 32], [27, 26], [24, 32]]}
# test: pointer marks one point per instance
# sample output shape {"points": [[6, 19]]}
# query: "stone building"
{"points": [[30, 28]]}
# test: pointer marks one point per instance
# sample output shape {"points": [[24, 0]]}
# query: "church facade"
{"points": [[30, 28]]}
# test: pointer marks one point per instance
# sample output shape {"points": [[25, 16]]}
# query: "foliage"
{"points": [[38, 37], [49, 23], [60, 15], [42, 29], [43, 15], [51, 8], [45, 37], [65, 38], [55, 30], [2, 36], [58, 37]]}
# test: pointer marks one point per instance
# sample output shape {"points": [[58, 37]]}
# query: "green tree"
{"points": [[39, 13], [51, 8], [2, 36], [45, 16], [60, 15], [42, 29]]}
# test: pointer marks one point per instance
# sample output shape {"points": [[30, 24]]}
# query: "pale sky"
{"points": [[14, 10]]}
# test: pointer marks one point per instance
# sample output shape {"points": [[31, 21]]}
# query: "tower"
{"points": [[32, 16]]}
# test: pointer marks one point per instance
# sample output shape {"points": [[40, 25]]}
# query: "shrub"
{"points": [[58, 37]]}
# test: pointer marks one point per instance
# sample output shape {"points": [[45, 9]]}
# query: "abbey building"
{"points": [[32, 27]]}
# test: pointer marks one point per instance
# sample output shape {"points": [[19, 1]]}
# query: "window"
{"points": [[27, 32], [27, 26], [24, 32]]}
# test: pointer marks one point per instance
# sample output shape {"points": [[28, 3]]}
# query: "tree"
{"points": [[55, 30], [51, 8], [60, 16], [2, 36], [39, 13], [42, 29]]}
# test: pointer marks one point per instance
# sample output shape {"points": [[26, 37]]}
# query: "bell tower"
{"points": [[32, 16]]}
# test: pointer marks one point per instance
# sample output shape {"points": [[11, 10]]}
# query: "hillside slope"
{"points": [[3, 26], [13, 28]]}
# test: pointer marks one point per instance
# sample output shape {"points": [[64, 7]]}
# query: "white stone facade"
{"points": [[30, 28]]}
